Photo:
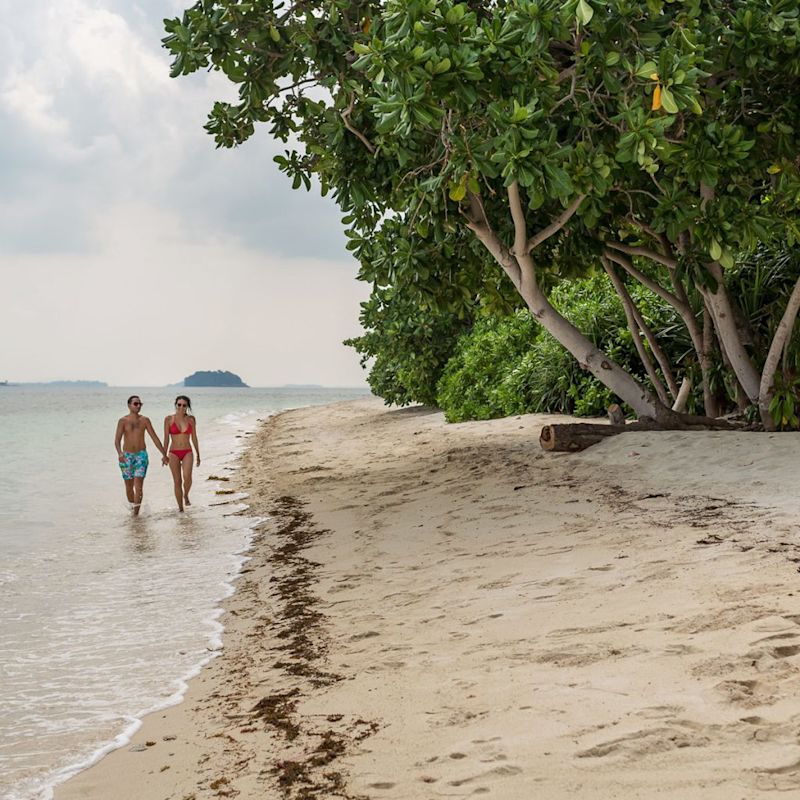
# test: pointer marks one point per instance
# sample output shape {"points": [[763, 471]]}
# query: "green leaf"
{"points": [[726, 259], [668, 101], [584, 12], [647, 69], [458, 191]]}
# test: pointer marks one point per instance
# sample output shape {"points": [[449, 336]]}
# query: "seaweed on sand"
{"points": [[297, 626]]}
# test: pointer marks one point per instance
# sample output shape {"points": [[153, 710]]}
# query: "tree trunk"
{"points": [[704, 354], [683, 396], [779, 341], [634, 326], [719, 305], [519, 267], [591, 358]]}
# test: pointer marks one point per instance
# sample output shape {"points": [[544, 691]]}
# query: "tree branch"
{"points": [[653, 286], [478, 223], [521, 253], [634, 326], [653, 255], [346, 119], [570, 95], [518, 215], [661, 238], [556, 225], [782, 334]]}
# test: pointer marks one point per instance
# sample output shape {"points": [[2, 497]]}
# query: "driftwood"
{"points": [[575, 436], [616, 416]]}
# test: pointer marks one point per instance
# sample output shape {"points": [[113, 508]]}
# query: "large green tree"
{"points": [[562, 135]]}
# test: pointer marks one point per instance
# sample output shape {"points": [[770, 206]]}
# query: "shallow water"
{"points": [[103, 615]]}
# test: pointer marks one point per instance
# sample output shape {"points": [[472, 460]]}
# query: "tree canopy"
{"points": [[651, 139]]}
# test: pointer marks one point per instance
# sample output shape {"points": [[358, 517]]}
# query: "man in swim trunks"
{"points": [[133, 461]]}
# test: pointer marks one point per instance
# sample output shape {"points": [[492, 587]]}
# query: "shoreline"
{"points": [[446, 609], [224, 467]]}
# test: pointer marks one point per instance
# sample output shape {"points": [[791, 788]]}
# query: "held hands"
{"points": [[121, 457], [198, 461], [164, 460]]}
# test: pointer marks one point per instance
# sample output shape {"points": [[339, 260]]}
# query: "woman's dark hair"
{"points": [[133, 397], [188, 402]]}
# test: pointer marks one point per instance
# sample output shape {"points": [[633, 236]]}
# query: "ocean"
{"points": [[105, 616]]}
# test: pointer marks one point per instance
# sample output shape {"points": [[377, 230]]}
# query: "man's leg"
{"points": [[129, 490], [138, 493]]}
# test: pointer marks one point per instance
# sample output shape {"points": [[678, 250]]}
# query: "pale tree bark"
{"points": [[719, 304], [519, 266], [683, 396], [709, 399], [722, 313], [679, 300], [779, 343], [658, 352], [635, 328]]}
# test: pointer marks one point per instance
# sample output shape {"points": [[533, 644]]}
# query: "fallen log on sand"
{"points": [[575, 436]]}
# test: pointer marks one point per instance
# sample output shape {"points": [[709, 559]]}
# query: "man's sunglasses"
{"points": [[137, 404]]}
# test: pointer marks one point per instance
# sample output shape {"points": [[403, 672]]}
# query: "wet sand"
{"points": [[445, 611]]}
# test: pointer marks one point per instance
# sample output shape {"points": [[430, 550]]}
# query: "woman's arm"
{"points": [[148, 426], [194, 440]]}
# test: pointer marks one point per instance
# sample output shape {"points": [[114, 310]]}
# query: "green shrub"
{"points": [[512, 366]]}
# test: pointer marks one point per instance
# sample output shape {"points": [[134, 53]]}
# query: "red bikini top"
{"points": [[175, 430]]}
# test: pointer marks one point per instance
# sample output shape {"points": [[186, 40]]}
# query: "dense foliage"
{"points": [[555, 134], [511, 365], [405, 347]]}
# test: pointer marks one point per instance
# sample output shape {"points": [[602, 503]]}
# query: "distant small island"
{"points": [[215, 378]]}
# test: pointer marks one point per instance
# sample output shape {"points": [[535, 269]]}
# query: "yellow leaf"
{"points": [[657, 98], [654, 77], [366, 25], [774, 169]]}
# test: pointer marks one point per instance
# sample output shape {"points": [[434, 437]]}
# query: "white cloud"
{"points": [[107, 50], [110, 181], [33, 104]]}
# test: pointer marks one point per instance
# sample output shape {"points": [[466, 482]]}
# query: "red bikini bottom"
{"points": [[181, 454]]}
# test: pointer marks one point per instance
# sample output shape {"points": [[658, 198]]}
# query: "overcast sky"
{"points": [[132, 251]]}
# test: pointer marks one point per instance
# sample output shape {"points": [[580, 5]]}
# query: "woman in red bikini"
{"points": [[178, 429]]}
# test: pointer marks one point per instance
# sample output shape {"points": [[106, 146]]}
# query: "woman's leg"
{"points": [[175, 468], [187, 465]]}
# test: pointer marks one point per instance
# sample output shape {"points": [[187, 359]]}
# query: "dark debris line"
{"points": [[298, 626]]}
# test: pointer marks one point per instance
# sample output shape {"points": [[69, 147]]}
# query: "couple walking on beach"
{"points": [[180, 428]]}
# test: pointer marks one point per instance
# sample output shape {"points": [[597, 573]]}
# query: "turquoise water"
{"points": [[104, 616]]}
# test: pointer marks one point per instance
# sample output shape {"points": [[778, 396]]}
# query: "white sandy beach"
{"points": [[445, 611]]}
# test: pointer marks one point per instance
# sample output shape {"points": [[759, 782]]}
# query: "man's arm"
{"points": [[118, 440], [148, 426]]}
